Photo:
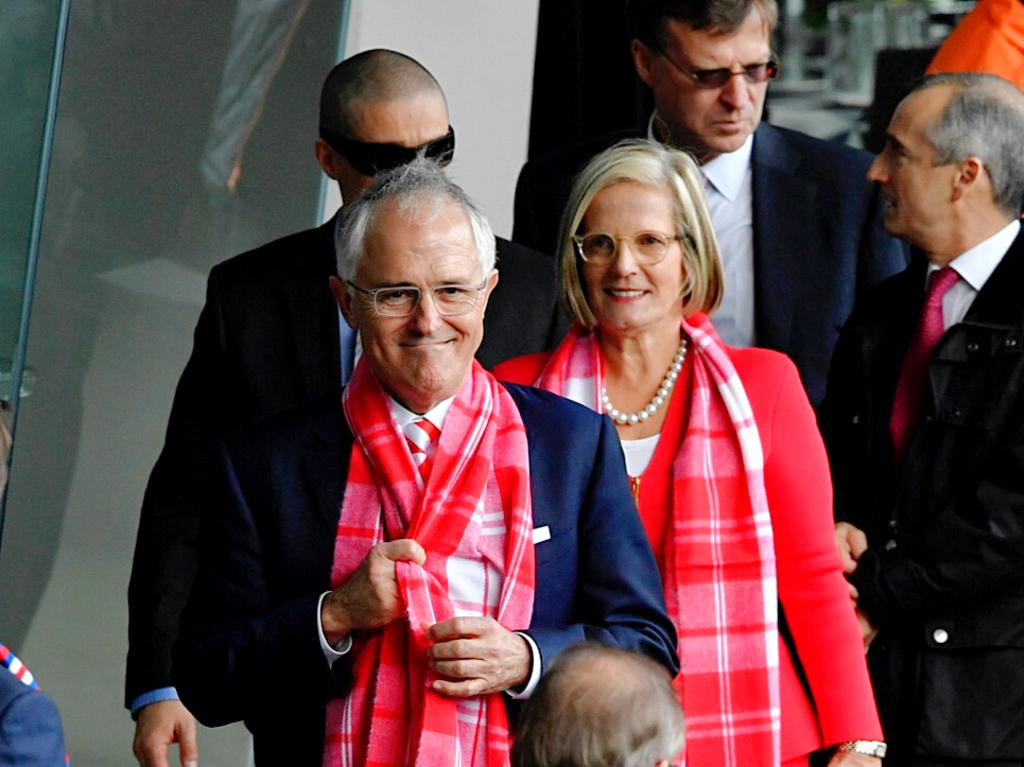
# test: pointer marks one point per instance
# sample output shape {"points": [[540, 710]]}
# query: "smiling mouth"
{"points": [[427, 343], [624, 293]]}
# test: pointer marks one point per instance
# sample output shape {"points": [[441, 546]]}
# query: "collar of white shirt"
{"points": [[402, 416], [976, 265], [726, 172]]}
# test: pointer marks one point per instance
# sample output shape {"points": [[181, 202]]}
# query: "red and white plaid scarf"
{"points": [[720, 584], [392, 716]]}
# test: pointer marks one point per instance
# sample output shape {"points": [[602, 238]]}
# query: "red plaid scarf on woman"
{"points": [[720, 584], [392, 716]]}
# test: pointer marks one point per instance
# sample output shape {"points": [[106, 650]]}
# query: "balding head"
{"points": [[983, 117], [951, 172], [600, 705]]}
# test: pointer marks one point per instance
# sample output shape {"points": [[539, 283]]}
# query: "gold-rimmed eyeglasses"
{"points": [[647, 247], [402, 300]]}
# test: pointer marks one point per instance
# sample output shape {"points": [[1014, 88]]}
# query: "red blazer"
{"points": [[813, 593]]}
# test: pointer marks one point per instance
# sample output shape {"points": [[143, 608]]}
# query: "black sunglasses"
{"points": [[370, 159]]}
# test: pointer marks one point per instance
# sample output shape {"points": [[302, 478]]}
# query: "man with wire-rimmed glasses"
{"points": [[798, 226], [270, 336], [383, 573]]}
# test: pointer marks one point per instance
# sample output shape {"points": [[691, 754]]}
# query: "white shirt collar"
{"points": [[402, 416], [725, 172], [976, 265]]}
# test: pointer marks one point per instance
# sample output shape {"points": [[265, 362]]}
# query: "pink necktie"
{"points": [[422, 436], [910, 387]]}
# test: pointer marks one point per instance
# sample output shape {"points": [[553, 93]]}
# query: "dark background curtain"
{"points": [[584, 85]]}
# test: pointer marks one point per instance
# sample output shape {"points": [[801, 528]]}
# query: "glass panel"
{"points": [[184, 136], [28, 35]]}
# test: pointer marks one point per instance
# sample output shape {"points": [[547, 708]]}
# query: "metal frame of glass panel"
{"points": [[32, 259]]}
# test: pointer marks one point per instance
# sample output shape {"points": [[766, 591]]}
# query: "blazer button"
{"points": [[941, 636], [890, 545], [973, 347], [1009, 343]]}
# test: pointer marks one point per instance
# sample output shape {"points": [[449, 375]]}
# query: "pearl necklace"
{"points": [[660, 397]]}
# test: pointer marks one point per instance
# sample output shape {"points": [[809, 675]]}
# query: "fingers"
{"points": [[851, 543], [403, 550], [466, 688], [370, 598], [858, 542], [455, 628], [475, 656], [158, 726], [188, 748]]}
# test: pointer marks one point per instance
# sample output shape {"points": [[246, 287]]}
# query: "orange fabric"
{"points": [[988, 39], [812, 590]]}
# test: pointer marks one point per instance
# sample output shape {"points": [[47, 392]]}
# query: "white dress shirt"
{"points": [[729, 190], [402, 417], [974, 267]]}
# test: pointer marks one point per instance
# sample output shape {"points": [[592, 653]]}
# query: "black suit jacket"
{"points": [[267, 339], [818, 236], [943, 576], [249, 647]]}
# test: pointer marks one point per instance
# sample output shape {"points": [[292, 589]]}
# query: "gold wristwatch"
{"points": [[867, 747]]}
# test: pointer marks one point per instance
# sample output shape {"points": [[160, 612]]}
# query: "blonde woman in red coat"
{"points": [[726, 465]]}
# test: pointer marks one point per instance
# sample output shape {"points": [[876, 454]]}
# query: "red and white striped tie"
{"points": [[422, 437]]}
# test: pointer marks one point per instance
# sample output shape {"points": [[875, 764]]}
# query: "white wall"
{"points": [[481, 51]]}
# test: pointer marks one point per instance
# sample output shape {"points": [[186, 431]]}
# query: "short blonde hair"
{"points": [[653, 164]]}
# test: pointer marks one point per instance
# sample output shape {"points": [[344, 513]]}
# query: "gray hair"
{"points": [[600, 706], [984, 119], [419, 188]]}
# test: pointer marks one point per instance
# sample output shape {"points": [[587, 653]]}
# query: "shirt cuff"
{"points": [[531, 683], [153, 696], [331, 652]]}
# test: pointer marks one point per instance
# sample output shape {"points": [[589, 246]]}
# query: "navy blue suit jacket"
{"points": [[249, 646], [818, 236], [30, 731]]}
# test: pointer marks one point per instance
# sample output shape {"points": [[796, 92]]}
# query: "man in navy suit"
{"points": [[270, 337], [276, 628], [798, 224]]}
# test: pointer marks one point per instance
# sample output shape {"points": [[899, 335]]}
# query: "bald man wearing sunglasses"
{"points": [[799, 226], [270, 336]]}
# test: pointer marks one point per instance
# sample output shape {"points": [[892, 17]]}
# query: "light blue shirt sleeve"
{"points": [[153, 696]]}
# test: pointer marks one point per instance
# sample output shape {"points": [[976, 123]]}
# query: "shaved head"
{"points": [[372, 77]]}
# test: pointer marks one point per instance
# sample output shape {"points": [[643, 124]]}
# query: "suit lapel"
{"points": [[326, 464], [313, 315], [782, 257]]}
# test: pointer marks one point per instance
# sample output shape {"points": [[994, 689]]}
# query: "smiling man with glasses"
{"points": [[386, 572], [798, 226], [270, 336]]}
